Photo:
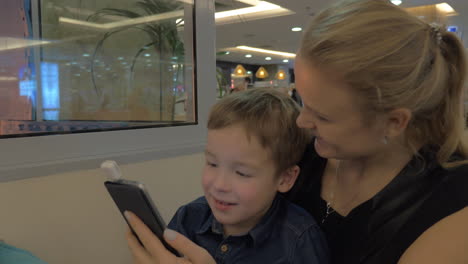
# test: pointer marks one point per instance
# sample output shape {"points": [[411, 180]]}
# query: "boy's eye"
{"points": [[214, 165]]}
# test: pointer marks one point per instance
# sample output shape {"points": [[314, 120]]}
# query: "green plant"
{"points": [[222, 81], [165, 42]]}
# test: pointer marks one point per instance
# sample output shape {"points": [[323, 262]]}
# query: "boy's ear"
{"points": [[288, 178]]}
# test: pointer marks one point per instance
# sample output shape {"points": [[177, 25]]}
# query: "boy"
{"points": [[252, 149]]}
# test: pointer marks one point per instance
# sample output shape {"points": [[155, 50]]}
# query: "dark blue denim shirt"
{"points": [[286, 234]]}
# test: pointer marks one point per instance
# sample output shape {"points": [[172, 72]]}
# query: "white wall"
{"points": [[70, 218]]}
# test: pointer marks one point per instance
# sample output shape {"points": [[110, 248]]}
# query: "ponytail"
{"points": [[452, 57]]}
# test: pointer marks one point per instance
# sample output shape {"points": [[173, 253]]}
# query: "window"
{"points": [[76, 66], [96, 69]]}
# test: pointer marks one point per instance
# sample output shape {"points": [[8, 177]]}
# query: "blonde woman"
{"points": [[386, 176]]}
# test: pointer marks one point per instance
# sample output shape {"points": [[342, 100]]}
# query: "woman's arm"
{"points": [[154, 251], [445, 242]]}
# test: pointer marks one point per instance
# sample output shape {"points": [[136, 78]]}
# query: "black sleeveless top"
{"points": [[382, 228]]}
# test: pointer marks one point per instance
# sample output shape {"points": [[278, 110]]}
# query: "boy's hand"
{"points": [[154, 251]]}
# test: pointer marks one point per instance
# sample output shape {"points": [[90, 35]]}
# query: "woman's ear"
{"points": [[288, 178], [398, 120]]}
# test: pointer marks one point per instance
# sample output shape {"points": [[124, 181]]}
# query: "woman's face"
{"points": [[334, 115]]}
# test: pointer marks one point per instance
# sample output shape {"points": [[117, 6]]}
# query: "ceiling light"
{"points": [[296, 29], [239, 70], [446, 8], [125, 22], [147, 55], [248, 55], [396, 2], [260, 7], [8, 43], [227, 53], [261, 73], [281, 75], [249, 2], [286, 60], [280, 53], [268, 58], [261, 10]]}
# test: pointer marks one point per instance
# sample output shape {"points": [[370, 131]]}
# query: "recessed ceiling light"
{"points": [[286, 60], [147, 55], [227, 53], [296, 29], [268, 58], [396, 2], [248, 55], [280, 53]]}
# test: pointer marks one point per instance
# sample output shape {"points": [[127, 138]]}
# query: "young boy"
{"points": [[252, 149]]}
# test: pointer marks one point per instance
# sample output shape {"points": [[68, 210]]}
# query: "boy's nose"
{"points": [[221, 183]]}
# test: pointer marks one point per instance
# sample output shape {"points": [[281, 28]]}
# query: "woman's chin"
{"points": [[323, 149]]}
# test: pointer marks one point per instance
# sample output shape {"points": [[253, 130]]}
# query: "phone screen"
{"points": [[131, 196]]}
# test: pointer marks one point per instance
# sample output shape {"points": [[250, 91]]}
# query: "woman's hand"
{"points": [[154, 251]]}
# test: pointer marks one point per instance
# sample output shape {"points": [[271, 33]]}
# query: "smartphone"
{"points": [[132, 196]]}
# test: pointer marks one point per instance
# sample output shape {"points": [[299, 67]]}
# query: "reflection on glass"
{"points": [[87, 65]]}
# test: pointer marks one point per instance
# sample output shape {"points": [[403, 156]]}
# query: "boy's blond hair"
{"points": [[268, 115]]}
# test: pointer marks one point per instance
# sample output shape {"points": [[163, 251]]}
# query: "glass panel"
{"points": [[250, 51], [86, 65]]}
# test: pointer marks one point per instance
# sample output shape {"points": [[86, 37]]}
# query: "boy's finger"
{"points": [[186, 247], [152, 244]]}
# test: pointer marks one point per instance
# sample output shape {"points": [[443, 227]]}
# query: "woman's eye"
{"points": [[321, 118], [242, 174]]}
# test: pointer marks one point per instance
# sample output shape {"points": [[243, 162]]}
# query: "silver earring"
{"points": [[385, 140]]}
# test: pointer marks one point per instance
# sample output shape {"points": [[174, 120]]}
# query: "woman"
{"points": [[386, 176]]}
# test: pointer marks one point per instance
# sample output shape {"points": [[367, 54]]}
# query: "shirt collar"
{"points": [[211, 225], [259, 233], [270, 220]]}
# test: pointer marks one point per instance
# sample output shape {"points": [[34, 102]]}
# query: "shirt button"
{"points": [[224, 248]]}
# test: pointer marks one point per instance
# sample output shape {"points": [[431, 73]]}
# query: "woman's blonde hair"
{"points": [[393, 59], [268, 115]]}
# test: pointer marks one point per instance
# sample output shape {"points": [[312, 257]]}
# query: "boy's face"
{"points": [[239, 179]]}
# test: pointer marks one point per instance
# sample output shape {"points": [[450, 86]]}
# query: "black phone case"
{"points": [[131, 196]]}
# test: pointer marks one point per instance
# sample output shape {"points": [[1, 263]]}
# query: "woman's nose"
{"points": [[302, 123]]}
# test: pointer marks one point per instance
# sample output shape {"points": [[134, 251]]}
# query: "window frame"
{"points": [[28, 157]]}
